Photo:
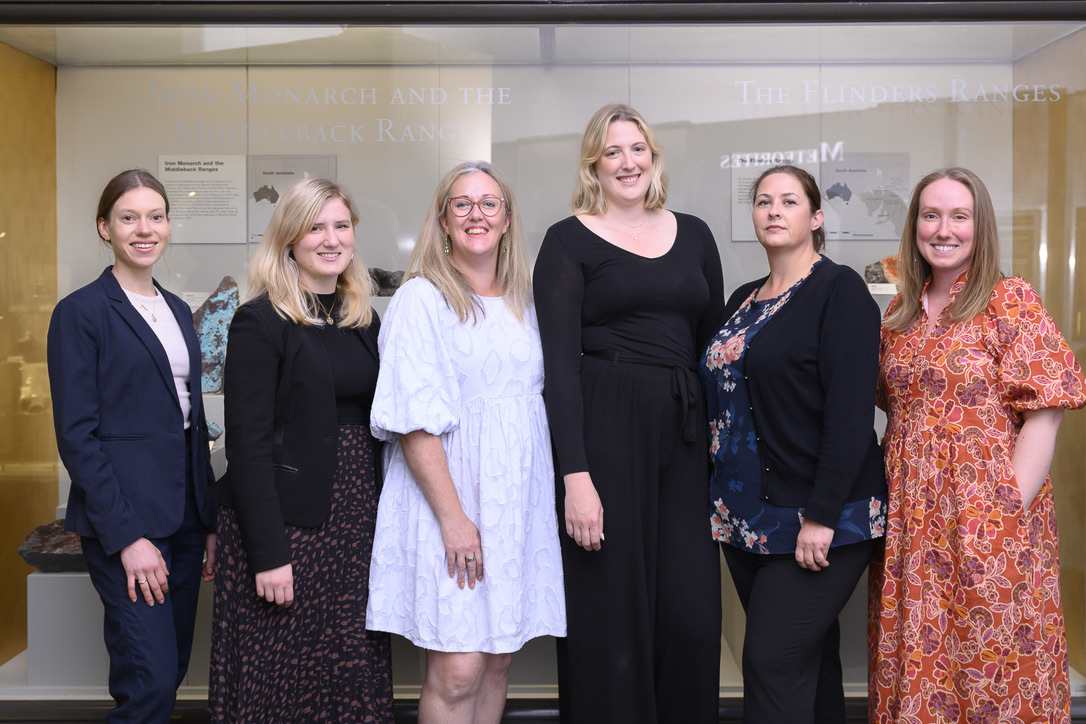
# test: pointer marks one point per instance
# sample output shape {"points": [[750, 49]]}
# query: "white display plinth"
{"points": [[64, 634]]}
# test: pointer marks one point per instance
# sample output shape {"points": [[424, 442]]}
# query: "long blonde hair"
{"points": [[429, 260], [914, 271], [587, 193], [274, 272]]}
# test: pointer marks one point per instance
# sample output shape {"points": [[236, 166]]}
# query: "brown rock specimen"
{"points": [[51, 549]]}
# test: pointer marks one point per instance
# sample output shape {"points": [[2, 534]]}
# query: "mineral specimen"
{"points": [[212, 321], [51, 549]]}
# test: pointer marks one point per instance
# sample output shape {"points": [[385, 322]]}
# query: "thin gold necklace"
{"points": [[327, 314], [151, 311], [633, 227]]}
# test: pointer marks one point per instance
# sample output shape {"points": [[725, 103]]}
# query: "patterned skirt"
{"points": [[313, 661]]}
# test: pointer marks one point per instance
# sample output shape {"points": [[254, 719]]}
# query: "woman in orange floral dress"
{"points": [[965, 610]]}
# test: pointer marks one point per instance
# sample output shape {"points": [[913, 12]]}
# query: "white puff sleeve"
{"points": [[417, 386]]}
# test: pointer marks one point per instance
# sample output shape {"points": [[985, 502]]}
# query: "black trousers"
{"points": [[149, 646], [643, 613], [791, 650]]}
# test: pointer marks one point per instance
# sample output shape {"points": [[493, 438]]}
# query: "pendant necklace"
{"points": [[151, 311], [639, 228], [327, 314]]}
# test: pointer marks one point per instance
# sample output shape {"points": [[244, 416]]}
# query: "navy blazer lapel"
{"points": [[141, 328]]}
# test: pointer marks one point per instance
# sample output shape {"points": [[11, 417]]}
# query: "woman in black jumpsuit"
{"points": [[627, 293]]}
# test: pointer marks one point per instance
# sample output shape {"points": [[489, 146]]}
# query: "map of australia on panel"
{"points": [[270, 176], [865, 196]]}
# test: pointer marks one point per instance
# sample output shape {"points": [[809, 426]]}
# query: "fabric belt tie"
{"points": [[685, 385]]}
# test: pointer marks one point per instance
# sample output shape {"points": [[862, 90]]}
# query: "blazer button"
{"points": [[765, 498]]}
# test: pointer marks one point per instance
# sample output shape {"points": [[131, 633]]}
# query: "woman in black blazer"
{"points": [[798, 490], [124, 369], [299, 498]]}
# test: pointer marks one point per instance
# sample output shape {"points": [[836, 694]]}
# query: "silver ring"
{"points": [[469, 560]]}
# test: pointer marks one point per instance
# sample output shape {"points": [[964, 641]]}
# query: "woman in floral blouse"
{"points": [[798, 491], [967, 625]]}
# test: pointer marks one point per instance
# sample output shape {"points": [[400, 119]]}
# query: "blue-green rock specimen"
{"points": [[212, 322]]}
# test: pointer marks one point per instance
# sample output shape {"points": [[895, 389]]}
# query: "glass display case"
{"points": [[229, 115]]}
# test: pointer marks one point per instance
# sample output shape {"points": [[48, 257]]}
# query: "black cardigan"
{"points": [[812, 372], [281, 428]]}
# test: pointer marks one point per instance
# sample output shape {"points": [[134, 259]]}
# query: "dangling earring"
{"points": [[505, 243], [446, 244]]}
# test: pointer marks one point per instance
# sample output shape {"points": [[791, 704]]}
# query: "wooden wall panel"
{"points": [[1049, 243], [28, 291]]}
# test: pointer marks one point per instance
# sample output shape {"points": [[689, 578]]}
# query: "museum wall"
{"points": [[388, 133], [28, 291], [415, 123]]}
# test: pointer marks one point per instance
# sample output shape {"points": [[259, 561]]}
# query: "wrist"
{"points": [[452, 518], [574, 480]]}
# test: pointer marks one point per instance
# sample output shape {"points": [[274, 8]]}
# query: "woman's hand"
{"points": [[584, 511], [426, 459], [463, 550], [813, 545], [276, 585], [146, 571], [207, 573]]}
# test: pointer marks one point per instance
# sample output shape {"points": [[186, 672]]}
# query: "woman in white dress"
{"points": [[466, 562]]}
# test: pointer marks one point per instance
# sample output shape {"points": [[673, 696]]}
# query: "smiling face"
{"points": [[137, 229], [782, 213], [945, 226], [625, 168], [324, 252], [475, 236]]}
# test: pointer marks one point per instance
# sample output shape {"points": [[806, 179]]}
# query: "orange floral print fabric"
{"points": [[966, 621]]}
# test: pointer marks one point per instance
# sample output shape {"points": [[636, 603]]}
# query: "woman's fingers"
{"points": [[812, 558], [466, 567], [474, 567], [146, 571], [141, 587], [276, 585], [583, 511], [586, 530], [463, 551], [813, 545]]}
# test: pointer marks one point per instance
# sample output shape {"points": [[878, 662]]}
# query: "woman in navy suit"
{"points": [[124, 368], [299, 498]]}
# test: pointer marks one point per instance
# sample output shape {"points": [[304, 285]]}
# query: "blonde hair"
{"points": [[429, 260], [914, 271], [274, 272], [587, 193]]}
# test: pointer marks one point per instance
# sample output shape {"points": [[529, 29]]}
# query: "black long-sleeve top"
{"points": [[812, 372], [592, 296]]}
